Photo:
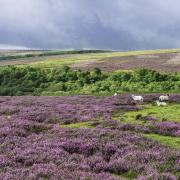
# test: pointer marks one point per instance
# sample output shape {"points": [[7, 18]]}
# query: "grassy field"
{"points": [[88, 124], [167, 113], [58, 58], [28, 57], [94, 57], [173, 142]]}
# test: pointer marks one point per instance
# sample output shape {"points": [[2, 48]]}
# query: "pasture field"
{"points": [[104, 60], [75, 137], [160, 60], [173, 142], [168, 113], [18, 57]]}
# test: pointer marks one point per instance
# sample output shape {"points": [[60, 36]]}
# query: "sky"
{"points": [[90, 24]]}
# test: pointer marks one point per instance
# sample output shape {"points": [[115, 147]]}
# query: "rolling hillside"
{"points": [[160, 60]]}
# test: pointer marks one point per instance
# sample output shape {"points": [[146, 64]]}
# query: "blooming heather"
{"points": [[35, 145]]}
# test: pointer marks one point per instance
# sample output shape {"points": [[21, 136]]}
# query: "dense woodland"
{"points": [[64, 81]]}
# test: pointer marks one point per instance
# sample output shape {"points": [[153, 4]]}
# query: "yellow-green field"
{"points": [[169, 113], [173, 142], [91, 60], [95, 57]]}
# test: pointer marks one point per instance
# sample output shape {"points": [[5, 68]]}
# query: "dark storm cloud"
{"points": [[101, 24]]}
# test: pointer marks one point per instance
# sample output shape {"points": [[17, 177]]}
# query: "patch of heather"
{"points": [[162, 128], [34, 146], [155, 175], [66, 110], [82, 151], [166, 128]]}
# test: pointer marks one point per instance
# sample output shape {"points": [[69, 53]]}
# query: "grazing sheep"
{"points": [[164, 98], [161, 103], [137, 98], [115, 94]]}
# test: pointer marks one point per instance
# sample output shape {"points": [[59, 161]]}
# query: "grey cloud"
{"points": [[100, 24]]}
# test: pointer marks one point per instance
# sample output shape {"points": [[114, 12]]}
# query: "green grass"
{"points": [[173, 142], [72, 60], [28, 54], [170, 113], [127, 176], [79, 125], [82, 58], [50, 59]]}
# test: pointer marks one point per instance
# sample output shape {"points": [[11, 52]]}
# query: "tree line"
{"points": [[38, 81]]}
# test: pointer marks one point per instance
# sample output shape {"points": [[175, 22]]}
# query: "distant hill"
{"points": [[167, 60]]}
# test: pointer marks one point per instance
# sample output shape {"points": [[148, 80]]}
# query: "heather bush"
{"points": [[35, 145]]}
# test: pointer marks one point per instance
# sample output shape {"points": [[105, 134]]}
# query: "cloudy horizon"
{"points": [[80, 24]]}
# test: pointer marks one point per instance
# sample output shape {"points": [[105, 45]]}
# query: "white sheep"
{"points": [[137, 98], [161, 103], [115, 94], [164, 98]]}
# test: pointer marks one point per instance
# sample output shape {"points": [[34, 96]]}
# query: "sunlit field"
{"points": [[168, 113], [93, 58], [50, 59]]}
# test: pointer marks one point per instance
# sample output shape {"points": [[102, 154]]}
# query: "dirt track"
{"points": [[165, 62]]}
